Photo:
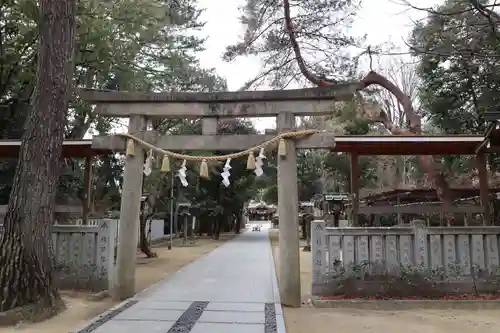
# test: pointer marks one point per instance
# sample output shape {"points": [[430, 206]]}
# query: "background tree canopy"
{"points": [[153, 45], [125, 45]]}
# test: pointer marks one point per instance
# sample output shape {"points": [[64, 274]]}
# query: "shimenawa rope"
{"points": [[251, 162], [242, 153]]}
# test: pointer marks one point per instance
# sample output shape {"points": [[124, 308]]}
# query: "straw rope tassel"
{"points": [[130, 148], [282, 148], [165, 164], [204, 169], [251, 161]]}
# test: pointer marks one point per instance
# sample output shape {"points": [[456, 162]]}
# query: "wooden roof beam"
{"points": [[492, 116]]}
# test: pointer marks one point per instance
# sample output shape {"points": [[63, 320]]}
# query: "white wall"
{"points": [[157, 230]]}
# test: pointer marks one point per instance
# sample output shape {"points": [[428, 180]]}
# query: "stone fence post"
{"points": [[106, 243], [318, 251], [420, 242]]}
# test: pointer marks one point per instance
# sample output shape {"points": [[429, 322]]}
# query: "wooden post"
{"points": [[87, 189], [355, 189], [288, 218], [128, 229], [484, 192], [398, 210]]}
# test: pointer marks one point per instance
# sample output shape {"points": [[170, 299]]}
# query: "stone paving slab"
{"points": [[231, 306], [278, 309], [231, 289], [156, 305], [150, 314], [227, 328], [232, 317], [138, 326], [280, 324]]}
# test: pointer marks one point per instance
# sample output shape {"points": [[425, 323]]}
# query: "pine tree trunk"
{"points": [[237, 228], [144, 244], [29, 291], [216, 227]]}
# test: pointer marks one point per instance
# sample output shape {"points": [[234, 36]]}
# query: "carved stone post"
{"points": [[318, 251], [288, 218], [420, 242]]}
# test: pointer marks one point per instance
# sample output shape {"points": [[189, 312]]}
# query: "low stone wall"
{"points": [[399, 305], [84, 255], [404, 261]]}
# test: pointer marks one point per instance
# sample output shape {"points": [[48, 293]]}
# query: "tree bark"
{"points": [[144, 244], [29, 290], [306, 220], [302, 224], [216, 227], [237, 227]]}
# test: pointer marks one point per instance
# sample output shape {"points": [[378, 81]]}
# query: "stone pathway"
{"points": [[233, 289]]}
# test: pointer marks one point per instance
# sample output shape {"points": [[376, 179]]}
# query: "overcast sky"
{"points": [[382, 21]]}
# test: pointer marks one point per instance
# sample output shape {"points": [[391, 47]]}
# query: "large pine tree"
{"points": [[26, 269]]}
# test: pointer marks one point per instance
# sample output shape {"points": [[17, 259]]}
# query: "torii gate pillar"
{"points": [[289, 266], [128, 227]]}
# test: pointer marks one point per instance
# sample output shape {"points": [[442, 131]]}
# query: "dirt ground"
{"points": [[320, 320], [149, 271]]}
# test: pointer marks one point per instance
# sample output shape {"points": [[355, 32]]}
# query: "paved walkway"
{"points": [[233, 289]]}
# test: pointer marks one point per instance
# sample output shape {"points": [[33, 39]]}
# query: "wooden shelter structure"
{"points": [[71, 149], [260, 211], [357, 146], [423, 203]]}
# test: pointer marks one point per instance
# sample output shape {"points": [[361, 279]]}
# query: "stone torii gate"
{"points": [[283, 104]]}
